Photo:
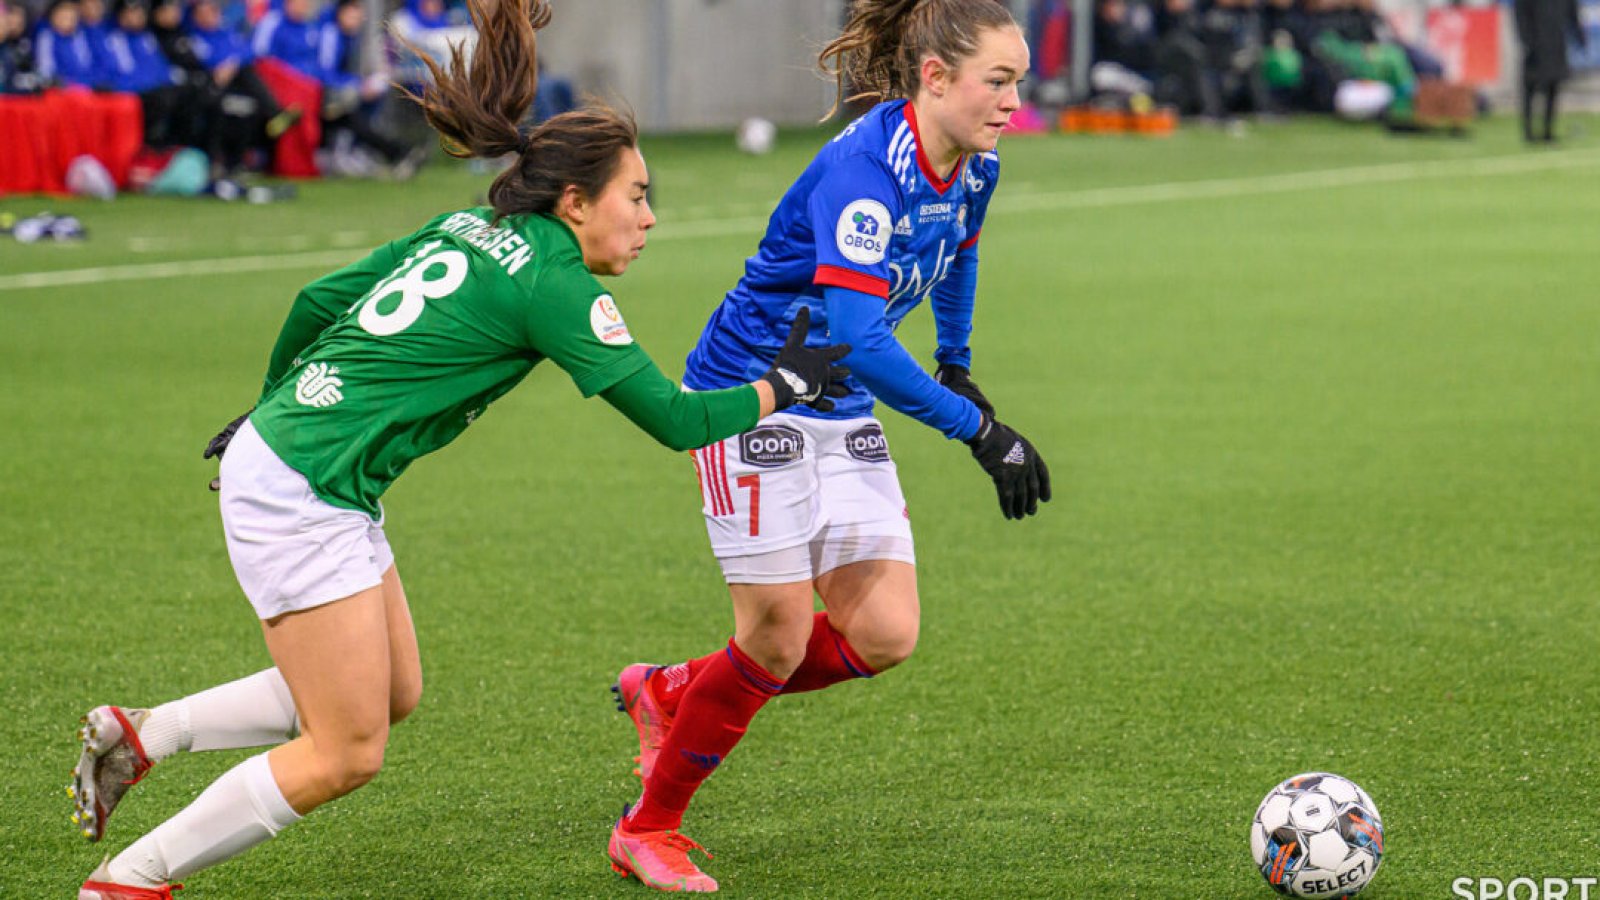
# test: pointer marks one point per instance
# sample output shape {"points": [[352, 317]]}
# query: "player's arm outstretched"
{"points": [[686, 420], [578, 326]]}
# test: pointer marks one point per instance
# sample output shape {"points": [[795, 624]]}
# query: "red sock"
{"points": [[829, 660], [713, 715], [669, 683]]}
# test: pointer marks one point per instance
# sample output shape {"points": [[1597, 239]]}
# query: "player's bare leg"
{"points": [[338, 662], [341, 666], [874, 604], [771, 623], [405, 660], [121, 744]]}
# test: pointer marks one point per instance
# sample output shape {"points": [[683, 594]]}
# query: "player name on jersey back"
{"points": [[502, 244]]}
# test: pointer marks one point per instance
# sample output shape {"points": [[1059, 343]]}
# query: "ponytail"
{"points": [[477, 109], [881, 49]]}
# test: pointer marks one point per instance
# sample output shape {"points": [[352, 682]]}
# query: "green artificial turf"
{"points": [[1327, 498]]}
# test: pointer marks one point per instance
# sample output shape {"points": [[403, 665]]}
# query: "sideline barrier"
{"points": [[46, 132]]}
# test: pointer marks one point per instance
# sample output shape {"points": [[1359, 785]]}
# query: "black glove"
{"points": [[959, 380], [1020, 476], [804, 374], [219, 444]]}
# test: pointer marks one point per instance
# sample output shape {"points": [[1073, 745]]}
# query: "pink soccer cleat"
{"points": [[98, 887], [113, 760], [659, 859], [635, 698]]}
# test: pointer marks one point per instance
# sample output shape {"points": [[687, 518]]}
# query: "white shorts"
{"points": [[795, 497], [291, 550]]}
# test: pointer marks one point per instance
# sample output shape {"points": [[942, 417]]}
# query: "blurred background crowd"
{"points": [[234, 79], [304, 87]]}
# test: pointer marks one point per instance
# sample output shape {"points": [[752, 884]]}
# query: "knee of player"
{"points": [[779, 650], [359, 767], [887, 646], [351, 764], [780, 656]]}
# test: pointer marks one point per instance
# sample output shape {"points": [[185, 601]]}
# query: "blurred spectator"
{"points": [[236, 109], [1287, 35], [138, 66], [419, 16], [92, 23], [1183, 78], [16, 52], [166, 23], [351, 100], [227, 61], [1124, 49], [290, 35], [1355, 44], [1424, 62], [1543, 27], [430, 30], [61, 50], [1231, 32]]}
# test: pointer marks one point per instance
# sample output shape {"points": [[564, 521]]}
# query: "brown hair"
{"points": [[880, 51], [476, 110]]}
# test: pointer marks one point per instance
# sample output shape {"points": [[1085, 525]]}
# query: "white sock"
{"points": [[241, 809], [255, 711]]}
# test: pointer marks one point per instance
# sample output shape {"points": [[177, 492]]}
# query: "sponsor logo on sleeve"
{"points": [[607, 322], [863, 232], [867, 444], [771, 446], [319, 386]]}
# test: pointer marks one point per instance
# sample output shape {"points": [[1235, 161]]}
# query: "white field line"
{"points": [[1253, 185], [1006, 203]]}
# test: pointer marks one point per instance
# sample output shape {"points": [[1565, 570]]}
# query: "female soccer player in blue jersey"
{"points": [[378, 365], [887, 216]]}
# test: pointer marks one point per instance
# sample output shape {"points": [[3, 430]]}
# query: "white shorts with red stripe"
{"points": [[795, 497]]}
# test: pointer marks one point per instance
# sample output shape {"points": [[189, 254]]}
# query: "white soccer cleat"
{"points": [[112, 761]]}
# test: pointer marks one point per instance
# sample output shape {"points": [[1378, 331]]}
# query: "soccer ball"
{"points": [[756, 136], [1317, 835]]}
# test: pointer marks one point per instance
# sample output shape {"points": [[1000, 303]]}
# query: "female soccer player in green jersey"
{"points": [[378, 364]]}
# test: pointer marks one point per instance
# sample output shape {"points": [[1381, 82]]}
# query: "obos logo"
{"points": [[607, 322], [863, 232], [771, 446], [867, 444]]}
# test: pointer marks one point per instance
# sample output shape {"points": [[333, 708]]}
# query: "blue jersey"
{"points": [[292, 42], [136, 62], [870, 216], [215, 47], [69, 59]]}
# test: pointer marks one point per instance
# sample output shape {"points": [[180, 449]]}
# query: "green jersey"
{"points": [[425, 333]]}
